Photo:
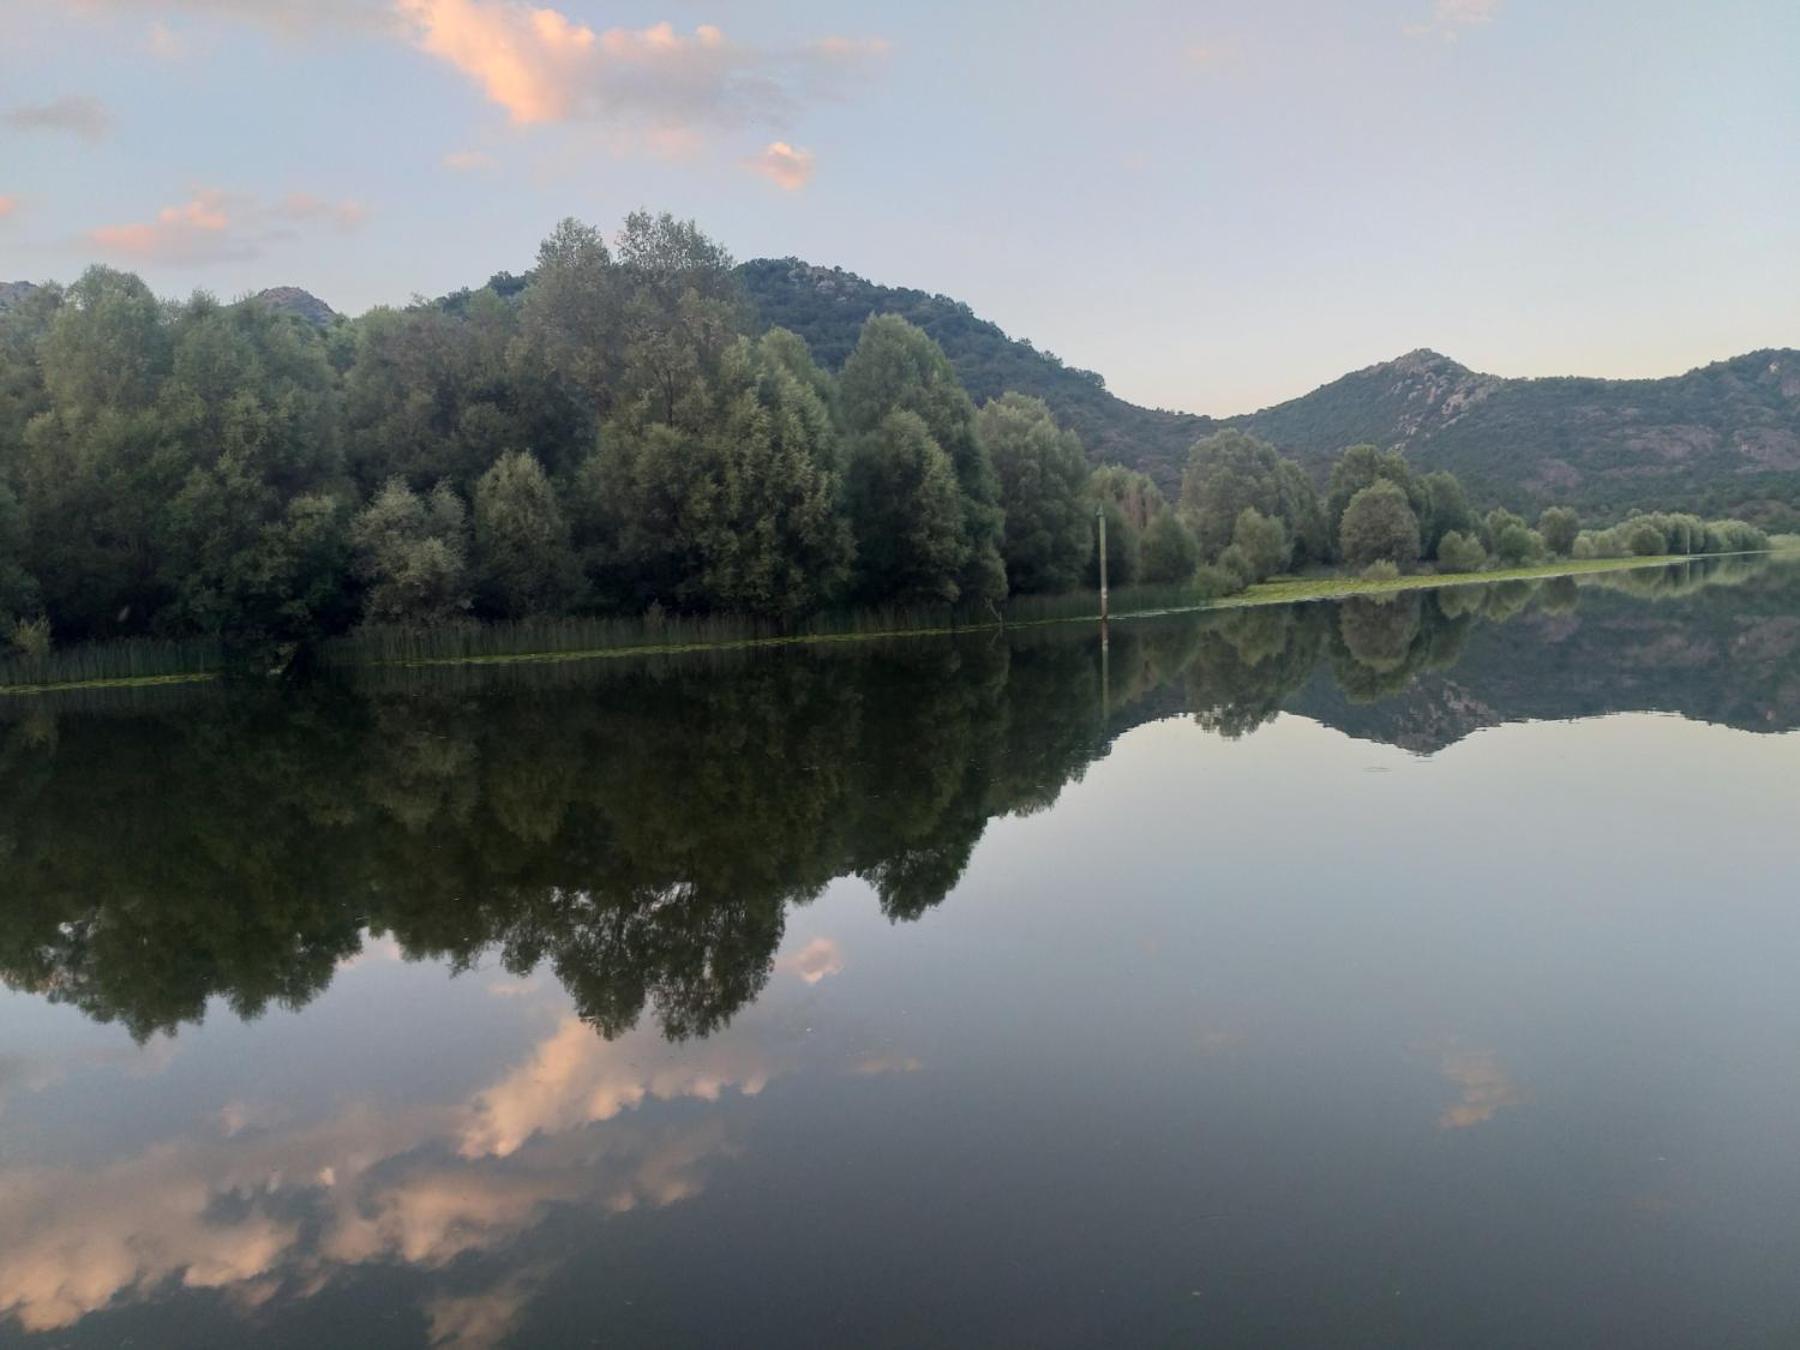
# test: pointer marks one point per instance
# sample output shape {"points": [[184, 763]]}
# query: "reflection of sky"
{"points": [[1236, 1017]]}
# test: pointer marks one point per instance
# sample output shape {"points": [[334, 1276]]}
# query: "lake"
{"points": [[1419, 973]]}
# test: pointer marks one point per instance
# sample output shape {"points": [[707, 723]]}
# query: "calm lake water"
{"points": [[1410, 974]]}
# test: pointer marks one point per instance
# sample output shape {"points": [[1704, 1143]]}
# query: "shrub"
{"points": [[1382, 569], [31, 638], [1212, 582], [1459, 552]]}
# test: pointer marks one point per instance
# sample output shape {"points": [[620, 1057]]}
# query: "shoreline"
{"points": [[1284, 591]]}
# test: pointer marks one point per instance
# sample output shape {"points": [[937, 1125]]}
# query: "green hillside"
{"points": [[1724, 439]]}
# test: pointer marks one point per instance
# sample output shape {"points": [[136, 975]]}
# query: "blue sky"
{"points": [[1217, 205]]}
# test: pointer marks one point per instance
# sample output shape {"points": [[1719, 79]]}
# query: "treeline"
{"points": [[1249, 514], [604, 437]]}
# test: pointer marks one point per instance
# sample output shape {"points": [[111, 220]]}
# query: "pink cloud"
{"points": [[1449, 17], [218, 226], [788, 167], [8, 205], [543, 67]]}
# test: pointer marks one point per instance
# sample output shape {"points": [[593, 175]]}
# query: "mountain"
{"points": [[1723, 439], [827, 307], [1717, 437], [301, 304], [13, 293]]}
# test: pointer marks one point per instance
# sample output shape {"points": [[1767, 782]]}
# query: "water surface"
{"points": [[1418, 973]]}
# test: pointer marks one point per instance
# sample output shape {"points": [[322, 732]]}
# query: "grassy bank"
{"points": [[145, 664]]}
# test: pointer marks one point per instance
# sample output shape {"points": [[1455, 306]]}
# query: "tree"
{"points": [[896, 367], [734, 506], [1363, 466], [1517, 544], [1559, 526], [524, 564], [243, 562], [1138, 497], [911, 544], [570, 312], [1231, 470], [1042, 472], [1459, 552], [18, 588], [1378, 522], [1446, 509], [1169, 552], [1644, 540], [680, 309], [412, 555], [1124, 544], [1263, 540]]}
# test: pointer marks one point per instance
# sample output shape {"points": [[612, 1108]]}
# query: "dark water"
{"points": [[1419, 974]]}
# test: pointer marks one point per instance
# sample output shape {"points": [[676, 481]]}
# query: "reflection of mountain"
{"points": [[643, 830], [1731, 658]]}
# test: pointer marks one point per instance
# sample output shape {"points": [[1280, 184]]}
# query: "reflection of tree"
{"points": [[1249, 661], [640, 830]]}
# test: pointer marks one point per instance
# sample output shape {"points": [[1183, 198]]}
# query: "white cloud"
{"points": [[217, 226], [788, 167], [76, 114]]}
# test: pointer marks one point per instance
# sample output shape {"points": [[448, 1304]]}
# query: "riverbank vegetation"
{"points": [[609, 448]]}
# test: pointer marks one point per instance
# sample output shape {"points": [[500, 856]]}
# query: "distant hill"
{"points": [[827, 307], [14, 292], [1722, 438], [301, 304], [1719, 437]]}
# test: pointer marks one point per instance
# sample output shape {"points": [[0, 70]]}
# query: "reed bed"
{"points": [[135, 661], [550, 639]]}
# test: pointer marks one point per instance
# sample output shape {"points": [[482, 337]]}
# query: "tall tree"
{"points": [[735, 505], [1378, 523], [1229, 471], [898, 368], [525, 564], [1363, 466], [912, 544], [1042, 472], [412, 554]]}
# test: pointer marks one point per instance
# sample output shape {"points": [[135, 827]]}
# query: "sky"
{"points": [[1216, 205]]}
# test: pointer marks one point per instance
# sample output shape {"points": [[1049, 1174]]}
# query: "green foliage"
{"points": [[897, 368], [1447, 509], [1378, 522], [1124, 545], [907, 514], [1517, 544], [1169, 552], [733, 505], [524, 563], [1559, 527], [1042, 473], [1263, 540], [412, 555], [1459, 552], [1382, 569], [1230, 471], [1363, 466], [624, 450]]}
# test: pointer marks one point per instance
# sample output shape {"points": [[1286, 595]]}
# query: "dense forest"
{"points": [[615, 435]]}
